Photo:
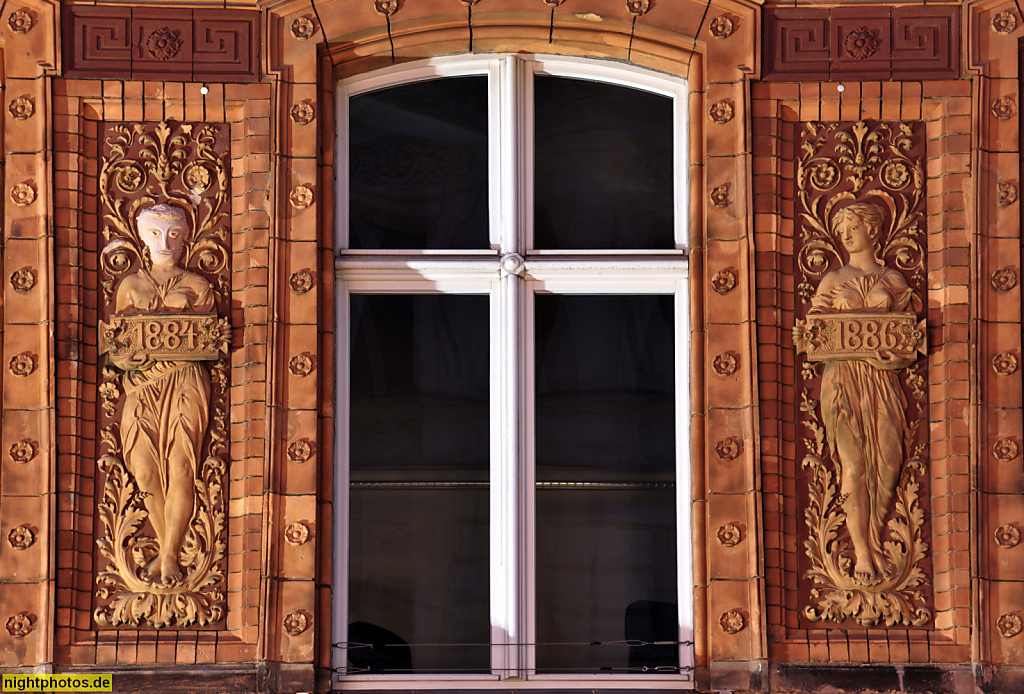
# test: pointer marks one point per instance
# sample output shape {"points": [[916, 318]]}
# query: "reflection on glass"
{"points": [[419, 456], [418, 166], [605, 498], [603, 176]]}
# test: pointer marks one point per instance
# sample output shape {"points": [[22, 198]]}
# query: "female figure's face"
{"points": [[165, 238], [854, 233]]}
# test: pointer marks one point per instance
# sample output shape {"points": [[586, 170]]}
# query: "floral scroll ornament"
{"points": [[896, 175], [1004, 279], [1007, 194], [20, 22], [23, 194], [23, 280], [1009, 625], [721, 112], [21, 537], [19, 626], [302, 113], [297, 533], [1004, 363], [299, 451], [22, 364], [725, 364], [300, 282], [1005, 449], [861, 43], [300, 365], [721, 27], [296, 622], [164, 43], [638, 8], [730, 535], [732, 622], [723, 281], [1004, 23], [1007, 536], [303, 28], [22, 108], [728, 449], [385, 7], [301, 197], [1004, 108], [22, 451], [720, 195]]}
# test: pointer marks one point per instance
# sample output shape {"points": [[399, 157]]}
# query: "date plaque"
{"points": [[165, 336], [837, 336]]}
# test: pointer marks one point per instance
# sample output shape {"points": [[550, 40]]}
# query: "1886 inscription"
{"points": [[825, 337]]}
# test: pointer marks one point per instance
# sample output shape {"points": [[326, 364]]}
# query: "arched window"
{"points": [[513, 470]]}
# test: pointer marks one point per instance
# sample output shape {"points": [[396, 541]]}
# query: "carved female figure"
{"points": [[167, 404], [862, 403]]}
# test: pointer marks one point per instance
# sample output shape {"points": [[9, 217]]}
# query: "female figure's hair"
{"points": [[869, 214], [161, 211]]}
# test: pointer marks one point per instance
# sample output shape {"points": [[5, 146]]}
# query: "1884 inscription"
{"points": [[826, 337], [165, 337]]}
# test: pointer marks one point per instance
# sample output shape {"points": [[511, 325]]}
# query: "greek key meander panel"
{"points": [[862, 394]]}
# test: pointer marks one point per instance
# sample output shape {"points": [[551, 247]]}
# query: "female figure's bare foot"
{"points": [[170, 572], [864, 570]]}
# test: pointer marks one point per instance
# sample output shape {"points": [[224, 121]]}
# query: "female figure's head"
{"points": [[858, 226], [163, 228]]}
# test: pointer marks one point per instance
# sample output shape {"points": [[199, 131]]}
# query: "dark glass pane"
{"points": [[606, 513], [419, 455], [603, 174], [418, 166]]}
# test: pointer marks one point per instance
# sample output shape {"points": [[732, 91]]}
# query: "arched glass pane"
{"points": [[603, 173], [418, 166]]}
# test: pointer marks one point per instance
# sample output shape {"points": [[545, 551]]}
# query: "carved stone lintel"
{"points": [[1009, 625], [1004, 108], [297, 533], [300, 282], [22, 364], [1007, 536], [721, 27], [296, 622], [1005, 449], [22, 108], [21, 537], [1004, 279], [732, 622], [730, 535], [19, 626], [721, 111], [1004, 22], [723, 281], [303, 28], [23, 280], [729, 448], [1004, 363]]}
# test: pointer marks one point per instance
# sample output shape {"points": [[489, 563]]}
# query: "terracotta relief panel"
{"points": [[861, 343], [163, 338], [204, 45], [878, 42]]}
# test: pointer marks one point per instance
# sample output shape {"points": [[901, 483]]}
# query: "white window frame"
{"points": [[512, 282]]}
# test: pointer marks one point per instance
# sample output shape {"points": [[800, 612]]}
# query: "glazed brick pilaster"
{"points": [[28, 449]]}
